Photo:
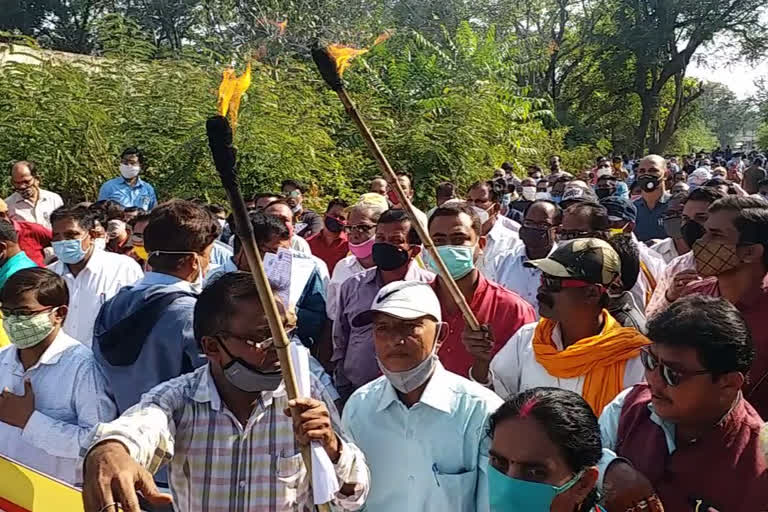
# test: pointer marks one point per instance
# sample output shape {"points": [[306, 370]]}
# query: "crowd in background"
{"points": [[621, 361]]}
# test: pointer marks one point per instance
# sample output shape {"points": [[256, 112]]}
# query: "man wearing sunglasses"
{"points": [[223, 430], [577, 345], [307, 222], [689, 429], [331, 244]]}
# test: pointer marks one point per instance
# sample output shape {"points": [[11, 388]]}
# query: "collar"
{"points": [[206, 391], [51, 356], [522, 255], [93, 262], [21, 255], [411, 274], [436, 395], [154, 278], [41, 197], [139, 183]]}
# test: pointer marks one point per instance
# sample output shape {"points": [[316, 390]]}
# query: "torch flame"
{"points": [[343, 55], [231, 90]]}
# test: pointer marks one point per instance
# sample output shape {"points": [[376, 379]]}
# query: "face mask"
{"points": [[141, 252], [648, 183], [129, 171], [459, 259], [28, 331], [529, 193], [535, 238], [100, 244], [27, 193], [602, 193], [388, 257], [195, 286], [408, 380], [506, 199], [296, 209], [333, 225], [692, 231], [616, 231], [508, 494], [673, 227], [556, 198], [543, 195], [222, 223], [363, 250], [393, 197], [247, 378], [714, 258], [69, 252]]}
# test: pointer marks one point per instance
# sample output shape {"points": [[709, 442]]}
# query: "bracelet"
{"points": [[487, 384], [645, 505]]}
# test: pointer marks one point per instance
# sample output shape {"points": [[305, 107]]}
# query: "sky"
{"points": [[738, 76]]}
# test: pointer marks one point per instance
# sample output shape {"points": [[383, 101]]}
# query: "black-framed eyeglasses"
{"points": [[671, 376], [258, 345], [563, 235], [360, 228], [23, 312]]}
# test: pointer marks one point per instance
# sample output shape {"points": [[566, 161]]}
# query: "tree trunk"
{"points": [[649, 100]]}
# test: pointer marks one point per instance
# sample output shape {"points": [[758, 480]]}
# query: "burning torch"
{"points": [[332, 61]]}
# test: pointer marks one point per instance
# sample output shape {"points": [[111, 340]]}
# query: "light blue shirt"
{"points": [[609, 423], [141, 194], [221, 253], [431, 457]]}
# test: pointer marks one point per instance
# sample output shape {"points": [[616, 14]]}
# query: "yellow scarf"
{"points": [[601, 359], [651, 283]]}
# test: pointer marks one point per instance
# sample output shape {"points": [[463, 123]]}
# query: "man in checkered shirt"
{"points": [[223, 429]]}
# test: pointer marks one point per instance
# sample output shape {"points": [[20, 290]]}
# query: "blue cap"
{"points": [[619, 208]]}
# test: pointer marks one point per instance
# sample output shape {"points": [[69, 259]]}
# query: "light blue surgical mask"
{"points": [[460, 259], [69, 252], [507, 494]]}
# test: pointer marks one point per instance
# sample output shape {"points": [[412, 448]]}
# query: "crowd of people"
{"points": [[621, 362]]}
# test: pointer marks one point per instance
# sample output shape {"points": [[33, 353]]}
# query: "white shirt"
{"points": [[71, 397], [300, 245], [431, 457], [345, 269], [508, 223], [666, 249], [515, 369], [513, 275], [40, 213], [103, 276], [642, 291], [499, 241]]}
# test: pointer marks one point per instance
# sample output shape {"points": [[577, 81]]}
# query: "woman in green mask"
{"points": [[544, 453]]}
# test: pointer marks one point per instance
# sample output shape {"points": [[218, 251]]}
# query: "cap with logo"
{"points": [[587, 259], [402, 299], [619, 209], [577, 194]]}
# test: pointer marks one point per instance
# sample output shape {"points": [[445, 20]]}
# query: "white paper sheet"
{"points": [[278, 268]]}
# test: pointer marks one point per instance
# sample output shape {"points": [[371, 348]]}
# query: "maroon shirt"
{"points": [[33, 238], [504, 310], [330, 254], [724, 468], [754, 309]]}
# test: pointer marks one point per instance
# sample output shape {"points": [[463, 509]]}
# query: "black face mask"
{"points": [[648, 183], [536, 238], [692, 231], [388, 257], [333, 225], [602, 193], [673, 227]]}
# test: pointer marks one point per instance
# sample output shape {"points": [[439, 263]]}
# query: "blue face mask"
{"points": [[69, 251], [459, 259], [556, 199], [508, 494]]}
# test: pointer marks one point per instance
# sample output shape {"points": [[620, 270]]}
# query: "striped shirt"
{"points": [[218, 465]]}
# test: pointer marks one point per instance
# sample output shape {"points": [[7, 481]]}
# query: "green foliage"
{"points": [[762, 135]]}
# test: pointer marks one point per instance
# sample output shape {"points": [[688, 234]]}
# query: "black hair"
{"points": [[29, 164], [762, 183], [507, 166], [681, 196], [261, 195], [293, 183], [278, 201], [558, 210], [83, 216], [401, 174], [265, 226], [533, 169], [445, 189], [132, 209], [398, 216], [758, 161], [568, 421], [217, 302], [455, 210], [216, 209], [705, 194], [107, 210], [710, 325], [751, 220], [496, 188], [629, 255], [7, 233], [50, 287], [598, 215], [141, 217], [336, 202], [178, 226], [133, 151]]}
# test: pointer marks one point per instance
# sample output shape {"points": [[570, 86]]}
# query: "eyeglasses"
{"points": [[23, 312], [671, 376], [556, 284], [258, 345], [360, 228], [573, 235]]}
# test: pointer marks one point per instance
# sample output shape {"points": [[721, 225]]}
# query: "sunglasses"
{"points": [[556, 284], [258, 345], [671, 376], [360, 228], [573, 235]]}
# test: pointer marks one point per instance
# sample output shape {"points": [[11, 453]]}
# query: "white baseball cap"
{"points": [[402, 299]]}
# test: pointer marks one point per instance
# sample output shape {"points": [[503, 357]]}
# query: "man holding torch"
{"points": [[223, 429]]}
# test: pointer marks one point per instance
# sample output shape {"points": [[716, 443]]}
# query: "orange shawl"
{"points": [[601, 358]]}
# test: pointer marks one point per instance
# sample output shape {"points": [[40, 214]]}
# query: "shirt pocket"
{"points": [[292, 477], [456, 491]]}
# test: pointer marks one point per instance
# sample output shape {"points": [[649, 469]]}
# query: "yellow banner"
{"points": [[23, 489]]}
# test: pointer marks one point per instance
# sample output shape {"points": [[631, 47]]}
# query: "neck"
{"points": [[10, 252], [330, 236], [76, 268], [412, 398], [389, 276], [238, 401], [367, 262], [536, 253], [467, 285], [131, 181], [584, 327], [688, 431], [179, 274], [30, 356], [681, 246], [736, 284], [651, 198], [35, 195]]}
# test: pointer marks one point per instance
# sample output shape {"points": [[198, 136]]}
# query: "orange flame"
{"points": [[231, 90], [343, 55]]}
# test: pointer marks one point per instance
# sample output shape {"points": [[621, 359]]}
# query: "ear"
{"points": [[732, 381], [584, 486], [753, 253], [211, 348], [61, 313], [442, 335], [630, 228], [593, 293]]}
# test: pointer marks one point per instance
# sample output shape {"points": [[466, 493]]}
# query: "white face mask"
{"points": [[529, 193], [129, 171], [408, 380], [543, 195], [100, 244]]}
